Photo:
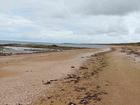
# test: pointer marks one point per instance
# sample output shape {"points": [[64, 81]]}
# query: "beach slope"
{"points": [[110, 78]]}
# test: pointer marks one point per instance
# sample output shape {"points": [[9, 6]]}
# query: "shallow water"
{"points": [[84, 45], [63, 44]]}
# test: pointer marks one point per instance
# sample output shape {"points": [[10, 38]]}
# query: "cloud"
{"points": [[70, 20], [59, 7], [104, 7]]}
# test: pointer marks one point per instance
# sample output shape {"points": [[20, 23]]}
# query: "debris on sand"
{"points": [[72, 78], [84, 101], [130, 51], [79, 88], [83, 67], [72, 67], [18, 104], [71, 103], [48, 82]]}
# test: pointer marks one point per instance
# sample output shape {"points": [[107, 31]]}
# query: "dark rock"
{"points": [[46, 83], [98, 99], [62, 90], [49, 97], [92, 73], [106, 84], [83, 67], [84, 101], [71, 103], [53, 80], [71, 76], [95, 96], [19, 104], [97, 86], [72, 66]]}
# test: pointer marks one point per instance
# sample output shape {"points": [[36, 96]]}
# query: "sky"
{"points": [[70, 21]]}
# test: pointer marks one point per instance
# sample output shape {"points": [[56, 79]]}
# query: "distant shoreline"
{"points": [[14, 48]]}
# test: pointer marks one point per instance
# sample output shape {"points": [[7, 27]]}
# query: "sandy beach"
{"points": [[69, 52], [72, 77], [110, 78], [22, 77]]}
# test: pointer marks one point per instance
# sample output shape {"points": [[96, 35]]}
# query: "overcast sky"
{"points": [[78, 21]]}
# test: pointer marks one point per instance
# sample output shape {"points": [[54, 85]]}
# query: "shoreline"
{"points": [[20, 49]]}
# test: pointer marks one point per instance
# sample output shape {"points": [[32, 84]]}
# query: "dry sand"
{"points": [[122, 74], [76, 77], [22, 77], [105, 79]]}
